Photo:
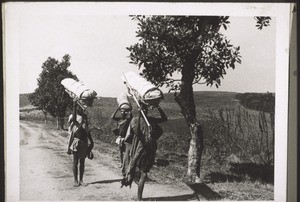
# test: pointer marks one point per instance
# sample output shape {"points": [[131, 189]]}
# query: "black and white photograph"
{"points": [[111, 101]]}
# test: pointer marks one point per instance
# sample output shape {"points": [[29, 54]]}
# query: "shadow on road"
{"points": [[106, 181], [201, 192], [204, 192], [185, 197]]}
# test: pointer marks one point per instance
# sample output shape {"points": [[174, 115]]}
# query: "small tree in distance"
{"points": [[50, 96], [192, 47]]}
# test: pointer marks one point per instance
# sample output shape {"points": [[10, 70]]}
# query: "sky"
{"points": [[97, 46]]}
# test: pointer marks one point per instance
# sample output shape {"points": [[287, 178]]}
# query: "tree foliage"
{"points": [[262, 21], [50, 95], [169, 43]]}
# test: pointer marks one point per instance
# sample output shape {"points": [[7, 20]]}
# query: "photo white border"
{"points": [[13, 11]]}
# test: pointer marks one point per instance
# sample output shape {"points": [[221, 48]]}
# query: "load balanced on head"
{"points": [[77, 90], [143, 90]]}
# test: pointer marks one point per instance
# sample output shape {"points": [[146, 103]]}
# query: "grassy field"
{"points": [[238, 156]]}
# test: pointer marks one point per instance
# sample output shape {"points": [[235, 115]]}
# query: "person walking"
{"points": [[123, 121], [141, 146], [80, 142]]}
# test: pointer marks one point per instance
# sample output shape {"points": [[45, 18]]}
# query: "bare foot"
{"points": [[82, 183], [76, 184]]}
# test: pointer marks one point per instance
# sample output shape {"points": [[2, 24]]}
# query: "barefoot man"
{"points": [[141, 145], [80, 142]]}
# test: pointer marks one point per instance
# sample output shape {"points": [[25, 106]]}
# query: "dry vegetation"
{"points": [[238, 155]]}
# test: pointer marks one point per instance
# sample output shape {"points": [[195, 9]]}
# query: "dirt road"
{"points": [[46, 172]]}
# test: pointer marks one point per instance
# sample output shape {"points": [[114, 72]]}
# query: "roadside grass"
{"points": [[246, 190], [237, 157]]}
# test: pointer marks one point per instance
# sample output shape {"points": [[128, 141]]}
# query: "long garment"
{"points": [[78, 129], [123, 125], [141, 146]]}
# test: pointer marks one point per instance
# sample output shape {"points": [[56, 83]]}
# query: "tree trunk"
{"points": [[45, 117], [195, 152], [185, 100], [57, 122], [60, 123]]}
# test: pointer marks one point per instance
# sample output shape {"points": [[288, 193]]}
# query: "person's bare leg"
{"points": [[81, 172], [141, 185], [75, 170], [121, 157]]}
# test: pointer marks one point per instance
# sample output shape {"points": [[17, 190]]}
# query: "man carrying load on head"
{"points": [[83, 97], [143, 131], [123, 122], [78, 142], [141, 146]]}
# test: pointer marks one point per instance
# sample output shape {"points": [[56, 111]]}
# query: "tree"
{"points": [[50, 96], [192, 47]]}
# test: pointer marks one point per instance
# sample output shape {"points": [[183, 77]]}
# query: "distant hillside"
{"points": [[203, 101], [258, 101]]}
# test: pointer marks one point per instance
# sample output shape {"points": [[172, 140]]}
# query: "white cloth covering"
{"points": [[78, 88], [123, 102], [145, 89]]}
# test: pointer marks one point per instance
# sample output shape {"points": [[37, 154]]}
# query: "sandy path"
{"points": [[46, 172]]}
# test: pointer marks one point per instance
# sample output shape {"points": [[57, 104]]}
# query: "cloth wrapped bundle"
{"points": [[78, 90], [123, 102], [143, 89]]}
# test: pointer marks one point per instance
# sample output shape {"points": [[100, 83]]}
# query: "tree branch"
{"points": [[169, 79], [197, 82]]}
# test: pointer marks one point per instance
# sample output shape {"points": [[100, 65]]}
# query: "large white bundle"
{"points": [[123, 102], [144, 90], [79, 90]]}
